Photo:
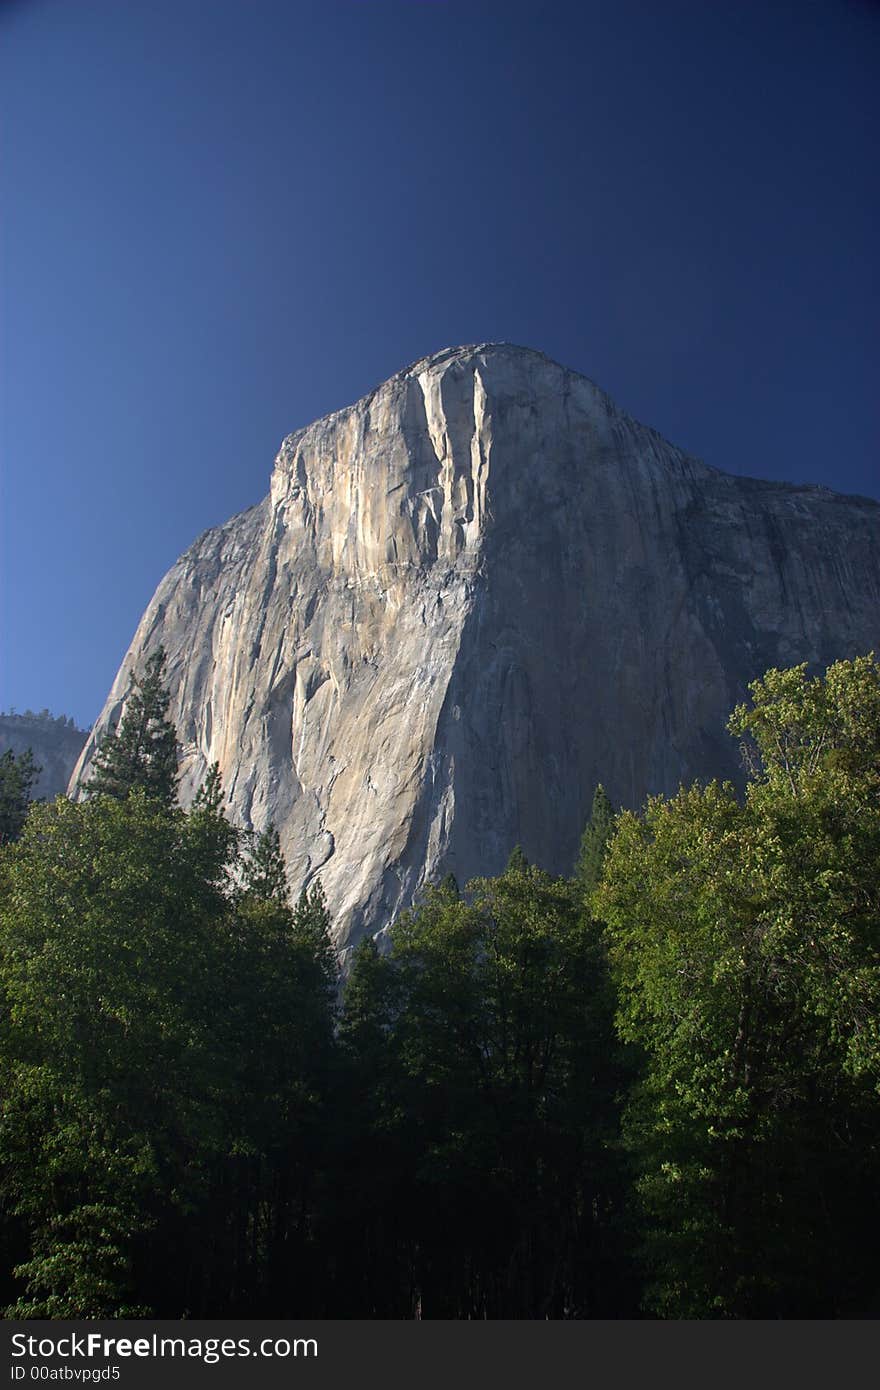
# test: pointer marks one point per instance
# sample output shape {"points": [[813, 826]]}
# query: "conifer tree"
{"points": [[503, 1066], [214, 840], [143, 750], [369, 995], [594, 840], [16, 778], [449, 884], [311, 927], [208, 800], [265, 874], [517, 863]]}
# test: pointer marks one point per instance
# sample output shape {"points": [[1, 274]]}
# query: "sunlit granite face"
{"points": [[466, 600]]}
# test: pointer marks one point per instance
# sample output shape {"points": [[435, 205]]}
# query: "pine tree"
{"points": [[311, 927], [517, 863], [368, 1002], [143, 750], [588, 871], [449, 884], [16, 778], [265, 873], [208, 800], [209, 833], [501, 1019]]}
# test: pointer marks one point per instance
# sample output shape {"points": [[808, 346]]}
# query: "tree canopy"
{"points": [[743, 940], [653, 1087]]}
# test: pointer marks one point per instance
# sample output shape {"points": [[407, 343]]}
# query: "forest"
{"points": [[650, 1089]]}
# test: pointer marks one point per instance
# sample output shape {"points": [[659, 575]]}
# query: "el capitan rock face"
{"points": [[466, 600]]}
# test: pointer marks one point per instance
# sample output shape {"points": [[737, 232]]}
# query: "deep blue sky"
{"points": [[223, 219]]}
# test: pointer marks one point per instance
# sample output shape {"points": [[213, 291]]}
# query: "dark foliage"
{"points": [[650, 1089], [17, 776]]}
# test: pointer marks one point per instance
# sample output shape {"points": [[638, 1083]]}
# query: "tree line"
{"points": [[647, 1089], [42, 717]]}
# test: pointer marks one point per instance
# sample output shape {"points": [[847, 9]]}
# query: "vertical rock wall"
{"points": [[467, 599]]}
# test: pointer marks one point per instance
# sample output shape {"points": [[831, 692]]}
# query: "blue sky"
{"points": [[222, 220]]}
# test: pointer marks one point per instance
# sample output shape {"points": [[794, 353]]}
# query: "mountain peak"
{"points": [[470, 597], [468, 351]]}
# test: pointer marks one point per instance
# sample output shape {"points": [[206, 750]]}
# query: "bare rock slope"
{"points": [[55, 742], [467, 599]]}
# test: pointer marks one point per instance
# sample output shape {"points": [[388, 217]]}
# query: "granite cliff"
{"points": [[467, 599]]}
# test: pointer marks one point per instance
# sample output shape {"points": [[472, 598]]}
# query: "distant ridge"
{"points": [[56, 743]]}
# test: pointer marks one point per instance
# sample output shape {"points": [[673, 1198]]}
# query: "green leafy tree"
{"points": [[166, 1053], [814, 747], [111, 1080], [743, 942], [17, 775], [142, 752]]}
